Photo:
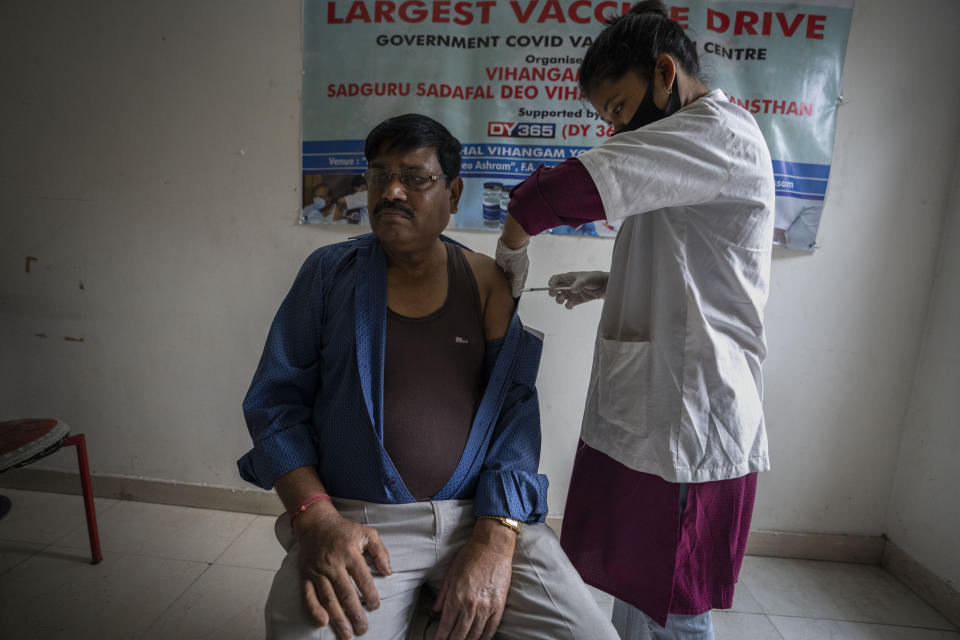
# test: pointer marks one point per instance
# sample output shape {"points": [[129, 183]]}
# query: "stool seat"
{"points": [[24, 441], [27, 440]]}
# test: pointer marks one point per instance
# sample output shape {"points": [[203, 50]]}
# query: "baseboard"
{"points": [[816, 546], [931, 588], [146, 490]]}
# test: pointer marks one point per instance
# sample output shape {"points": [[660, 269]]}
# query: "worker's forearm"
{"points": [[513, 234]]}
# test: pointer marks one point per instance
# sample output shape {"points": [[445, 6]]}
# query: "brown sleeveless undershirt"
{"points": [[433, 382]]}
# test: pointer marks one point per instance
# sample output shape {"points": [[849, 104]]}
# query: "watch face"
{"points": [[513, 524], [507, 522]]}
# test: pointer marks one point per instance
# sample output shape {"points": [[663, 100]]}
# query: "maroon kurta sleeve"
{"points": [[563, 195]]}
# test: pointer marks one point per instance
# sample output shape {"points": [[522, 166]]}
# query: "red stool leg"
{"points": [[80, 442]]}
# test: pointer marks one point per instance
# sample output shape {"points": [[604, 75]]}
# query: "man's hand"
{"points": [[475, 587], [331, 561]]}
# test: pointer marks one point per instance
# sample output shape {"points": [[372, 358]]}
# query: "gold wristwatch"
{"points": [[510, 523]]}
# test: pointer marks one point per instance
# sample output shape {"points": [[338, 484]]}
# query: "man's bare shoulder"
{"points": [[494, 289], [488, 275]]}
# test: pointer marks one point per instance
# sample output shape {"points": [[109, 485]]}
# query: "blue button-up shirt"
{"points": [[317, 396]]}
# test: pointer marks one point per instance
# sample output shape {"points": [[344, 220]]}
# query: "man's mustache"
{"points": [[384, 204]]}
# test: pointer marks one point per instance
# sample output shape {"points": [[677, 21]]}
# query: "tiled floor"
{"points": [[178, 573]]}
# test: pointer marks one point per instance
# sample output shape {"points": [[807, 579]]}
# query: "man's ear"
{"points": [[456, 190]]}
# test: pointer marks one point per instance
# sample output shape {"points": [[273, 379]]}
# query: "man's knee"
{"points": [[548, 599]]}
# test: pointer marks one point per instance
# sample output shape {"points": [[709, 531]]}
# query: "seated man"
{"points": [[397, 378]]}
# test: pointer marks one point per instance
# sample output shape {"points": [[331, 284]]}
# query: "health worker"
{"points": [[673, 432]]}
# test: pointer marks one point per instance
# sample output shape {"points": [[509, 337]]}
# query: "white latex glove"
{"points": [[515, 264], [584, 287]]}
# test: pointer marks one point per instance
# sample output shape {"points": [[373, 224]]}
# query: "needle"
{"points": [[548, 289]]}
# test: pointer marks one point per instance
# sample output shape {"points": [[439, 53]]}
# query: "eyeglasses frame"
{"points": [[433, 179]]}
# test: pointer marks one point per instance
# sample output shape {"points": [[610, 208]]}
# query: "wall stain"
{"points": [[82, 288], [29, 260], [39, 335], [72, 339]]}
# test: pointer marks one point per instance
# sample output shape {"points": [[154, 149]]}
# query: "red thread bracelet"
{"points": [[317, 497]]}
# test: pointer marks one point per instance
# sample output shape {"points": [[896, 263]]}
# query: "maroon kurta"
{"points": [[624, 532]]}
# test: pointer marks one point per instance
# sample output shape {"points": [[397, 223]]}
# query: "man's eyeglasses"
{"points": [[412, 180]]}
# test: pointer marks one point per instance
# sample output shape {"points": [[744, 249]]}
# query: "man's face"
{"points": [[401, 217]]}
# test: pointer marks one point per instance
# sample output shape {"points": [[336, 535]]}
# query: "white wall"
{"points": [[845, 323], [924, 516], [150, 151]]}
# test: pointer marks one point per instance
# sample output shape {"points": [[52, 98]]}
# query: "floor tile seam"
{"points": [[742, 585], [68, 532], [116, 501], [173, 601], [132, 554], [235, 538], [863, 620], [55, 540], [84, 526], [877, 624], [762, 615], [744, 579], [35, 552], [954, 627], [775, 627], [58, 541], [24, 541], [244, 566], [61, 536]]}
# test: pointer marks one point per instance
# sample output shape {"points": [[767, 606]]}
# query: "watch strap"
{"points": [[510, 523]]}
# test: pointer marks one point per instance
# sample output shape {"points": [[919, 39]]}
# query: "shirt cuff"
{"points": [[563, 195], [277, 454], [511, 494]]}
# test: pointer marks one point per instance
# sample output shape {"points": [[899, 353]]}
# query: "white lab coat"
{"points": [[676, 388], [356, 206]]}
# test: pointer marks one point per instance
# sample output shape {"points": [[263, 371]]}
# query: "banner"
{"points": [[501, 75]]}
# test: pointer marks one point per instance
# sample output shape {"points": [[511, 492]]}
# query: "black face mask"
{"points": [[648, 111]]}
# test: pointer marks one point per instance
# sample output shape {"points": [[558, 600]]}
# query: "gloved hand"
{"points": [[584, 287], [515, 264]]}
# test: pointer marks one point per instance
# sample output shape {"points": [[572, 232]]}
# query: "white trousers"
{"points": [[547, 599]]}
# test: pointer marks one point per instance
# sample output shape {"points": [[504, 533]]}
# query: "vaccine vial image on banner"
{"points": [[491, 203], [504, 201]]}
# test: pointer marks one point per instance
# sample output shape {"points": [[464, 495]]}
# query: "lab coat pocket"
{"points": [[623, 383]]}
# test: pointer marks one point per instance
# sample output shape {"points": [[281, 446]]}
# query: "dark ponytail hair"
{"points": [[633, 41]]}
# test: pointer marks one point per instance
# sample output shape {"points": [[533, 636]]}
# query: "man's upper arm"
{"points": [[278, 405], [495, 295]]}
